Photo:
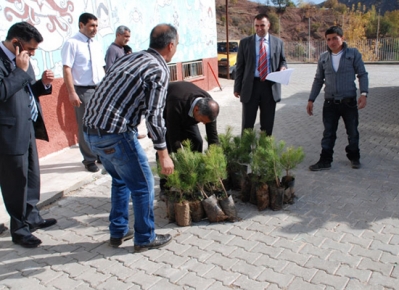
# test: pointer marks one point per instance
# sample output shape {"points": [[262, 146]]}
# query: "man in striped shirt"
{"points": [[135, 85]]}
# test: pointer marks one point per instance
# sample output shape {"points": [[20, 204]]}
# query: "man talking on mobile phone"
{"points": [[21, 122]]}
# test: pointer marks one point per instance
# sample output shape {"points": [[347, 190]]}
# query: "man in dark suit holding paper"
{"points": [[21, 122], [258, 55]]}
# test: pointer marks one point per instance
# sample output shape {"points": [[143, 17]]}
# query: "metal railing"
{"points": [[173, 72], [384, 49], [192, 69]]}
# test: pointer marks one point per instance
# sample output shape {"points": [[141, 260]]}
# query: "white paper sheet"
{"points": [[282, 77]]}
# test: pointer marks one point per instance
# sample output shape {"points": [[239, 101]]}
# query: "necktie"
{"points": [[33, 107], [262, 64], [96, 78]]}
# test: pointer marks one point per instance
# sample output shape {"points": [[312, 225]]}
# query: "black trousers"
{"points": [[262, 98], [191, 133], [20, 187]]}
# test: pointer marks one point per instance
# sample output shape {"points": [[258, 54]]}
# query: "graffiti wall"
{"points": [[57, 20]]}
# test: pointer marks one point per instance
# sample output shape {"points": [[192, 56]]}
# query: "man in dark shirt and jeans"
{"points": [[117, 48], [136, 85], [337, 69]]}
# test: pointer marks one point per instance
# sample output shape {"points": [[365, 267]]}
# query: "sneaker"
{"points": [[159, 241], [320, 166], [355, 164], [116, 242]]}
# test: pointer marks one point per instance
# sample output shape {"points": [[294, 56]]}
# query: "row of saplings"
{"points": [[251, 163]]}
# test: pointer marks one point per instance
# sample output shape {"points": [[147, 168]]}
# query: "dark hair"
{"points": [[85, 17], [334, 29], [208, 108], [25, 32], [127, 49], [261, 16], [161, 35]]}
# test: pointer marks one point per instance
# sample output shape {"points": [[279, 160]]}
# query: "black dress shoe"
{"points": [[355, 164], [92, 167], [116, 242], [159, 241], [3, 228], [29, 241], [45, 224], [320, 165]]}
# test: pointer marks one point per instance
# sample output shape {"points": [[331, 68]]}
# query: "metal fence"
{"points": [[385, 49]]}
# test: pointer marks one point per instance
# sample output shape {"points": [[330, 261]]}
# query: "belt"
{"points": [[87, 87], [341, 101], [95, 131]]}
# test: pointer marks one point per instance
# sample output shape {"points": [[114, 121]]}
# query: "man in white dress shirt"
{"points": [[83, 68]]}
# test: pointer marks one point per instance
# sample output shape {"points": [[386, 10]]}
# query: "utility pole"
{"points": [[309, 38], [227, 39], [378, 32]]}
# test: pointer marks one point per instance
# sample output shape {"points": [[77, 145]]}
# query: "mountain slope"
{"points": [[294, 22], [384, 5]]}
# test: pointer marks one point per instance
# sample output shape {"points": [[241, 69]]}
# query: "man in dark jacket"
{"points": [[186, 106], [258, 55], [21, 121]]}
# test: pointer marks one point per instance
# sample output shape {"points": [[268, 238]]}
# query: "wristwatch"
{"points": [[364, 94]]}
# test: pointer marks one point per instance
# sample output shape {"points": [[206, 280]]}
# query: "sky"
{"points": [[313, 1]]}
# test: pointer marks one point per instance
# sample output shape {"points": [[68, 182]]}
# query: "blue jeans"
{"points": [[350, 115], [125, 160]]}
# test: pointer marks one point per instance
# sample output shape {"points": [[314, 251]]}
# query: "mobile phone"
{"points": [[17, 43]]}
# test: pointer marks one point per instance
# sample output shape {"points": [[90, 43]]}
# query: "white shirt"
{"points": [[76, 54], [336, 57]]}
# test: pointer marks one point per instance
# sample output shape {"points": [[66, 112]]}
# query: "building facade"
{"points": [[57, 20]]}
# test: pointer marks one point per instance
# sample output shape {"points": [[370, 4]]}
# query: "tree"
{"points": [[330, 4], [281, 4], [392, 18]]}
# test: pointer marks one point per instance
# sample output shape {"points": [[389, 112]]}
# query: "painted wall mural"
{"points": [[57, 20]]}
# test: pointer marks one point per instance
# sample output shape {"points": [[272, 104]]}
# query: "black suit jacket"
{"points": [[246, 65], [179, 99], [15, 115]]}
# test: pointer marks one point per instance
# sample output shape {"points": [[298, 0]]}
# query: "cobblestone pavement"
{"points": [[342, 232]]}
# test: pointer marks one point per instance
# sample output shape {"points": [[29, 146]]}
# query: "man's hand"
{"points": [[237, 95], [22, 59], [309, 108], [167, 166], [283, 68], [74, 99], [47, 77], [362, 102]]}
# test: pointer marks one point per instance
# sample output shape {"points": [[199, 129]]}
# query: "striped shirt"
{"points": [[135, 85]]}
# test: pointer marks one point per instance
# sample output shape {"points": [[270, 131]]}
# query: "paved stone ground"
{"points": [[342, 232]]}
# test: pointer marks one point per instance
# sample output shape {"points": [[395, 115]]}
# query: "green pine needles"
{"points": [[290, 159], [197, 172]]}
